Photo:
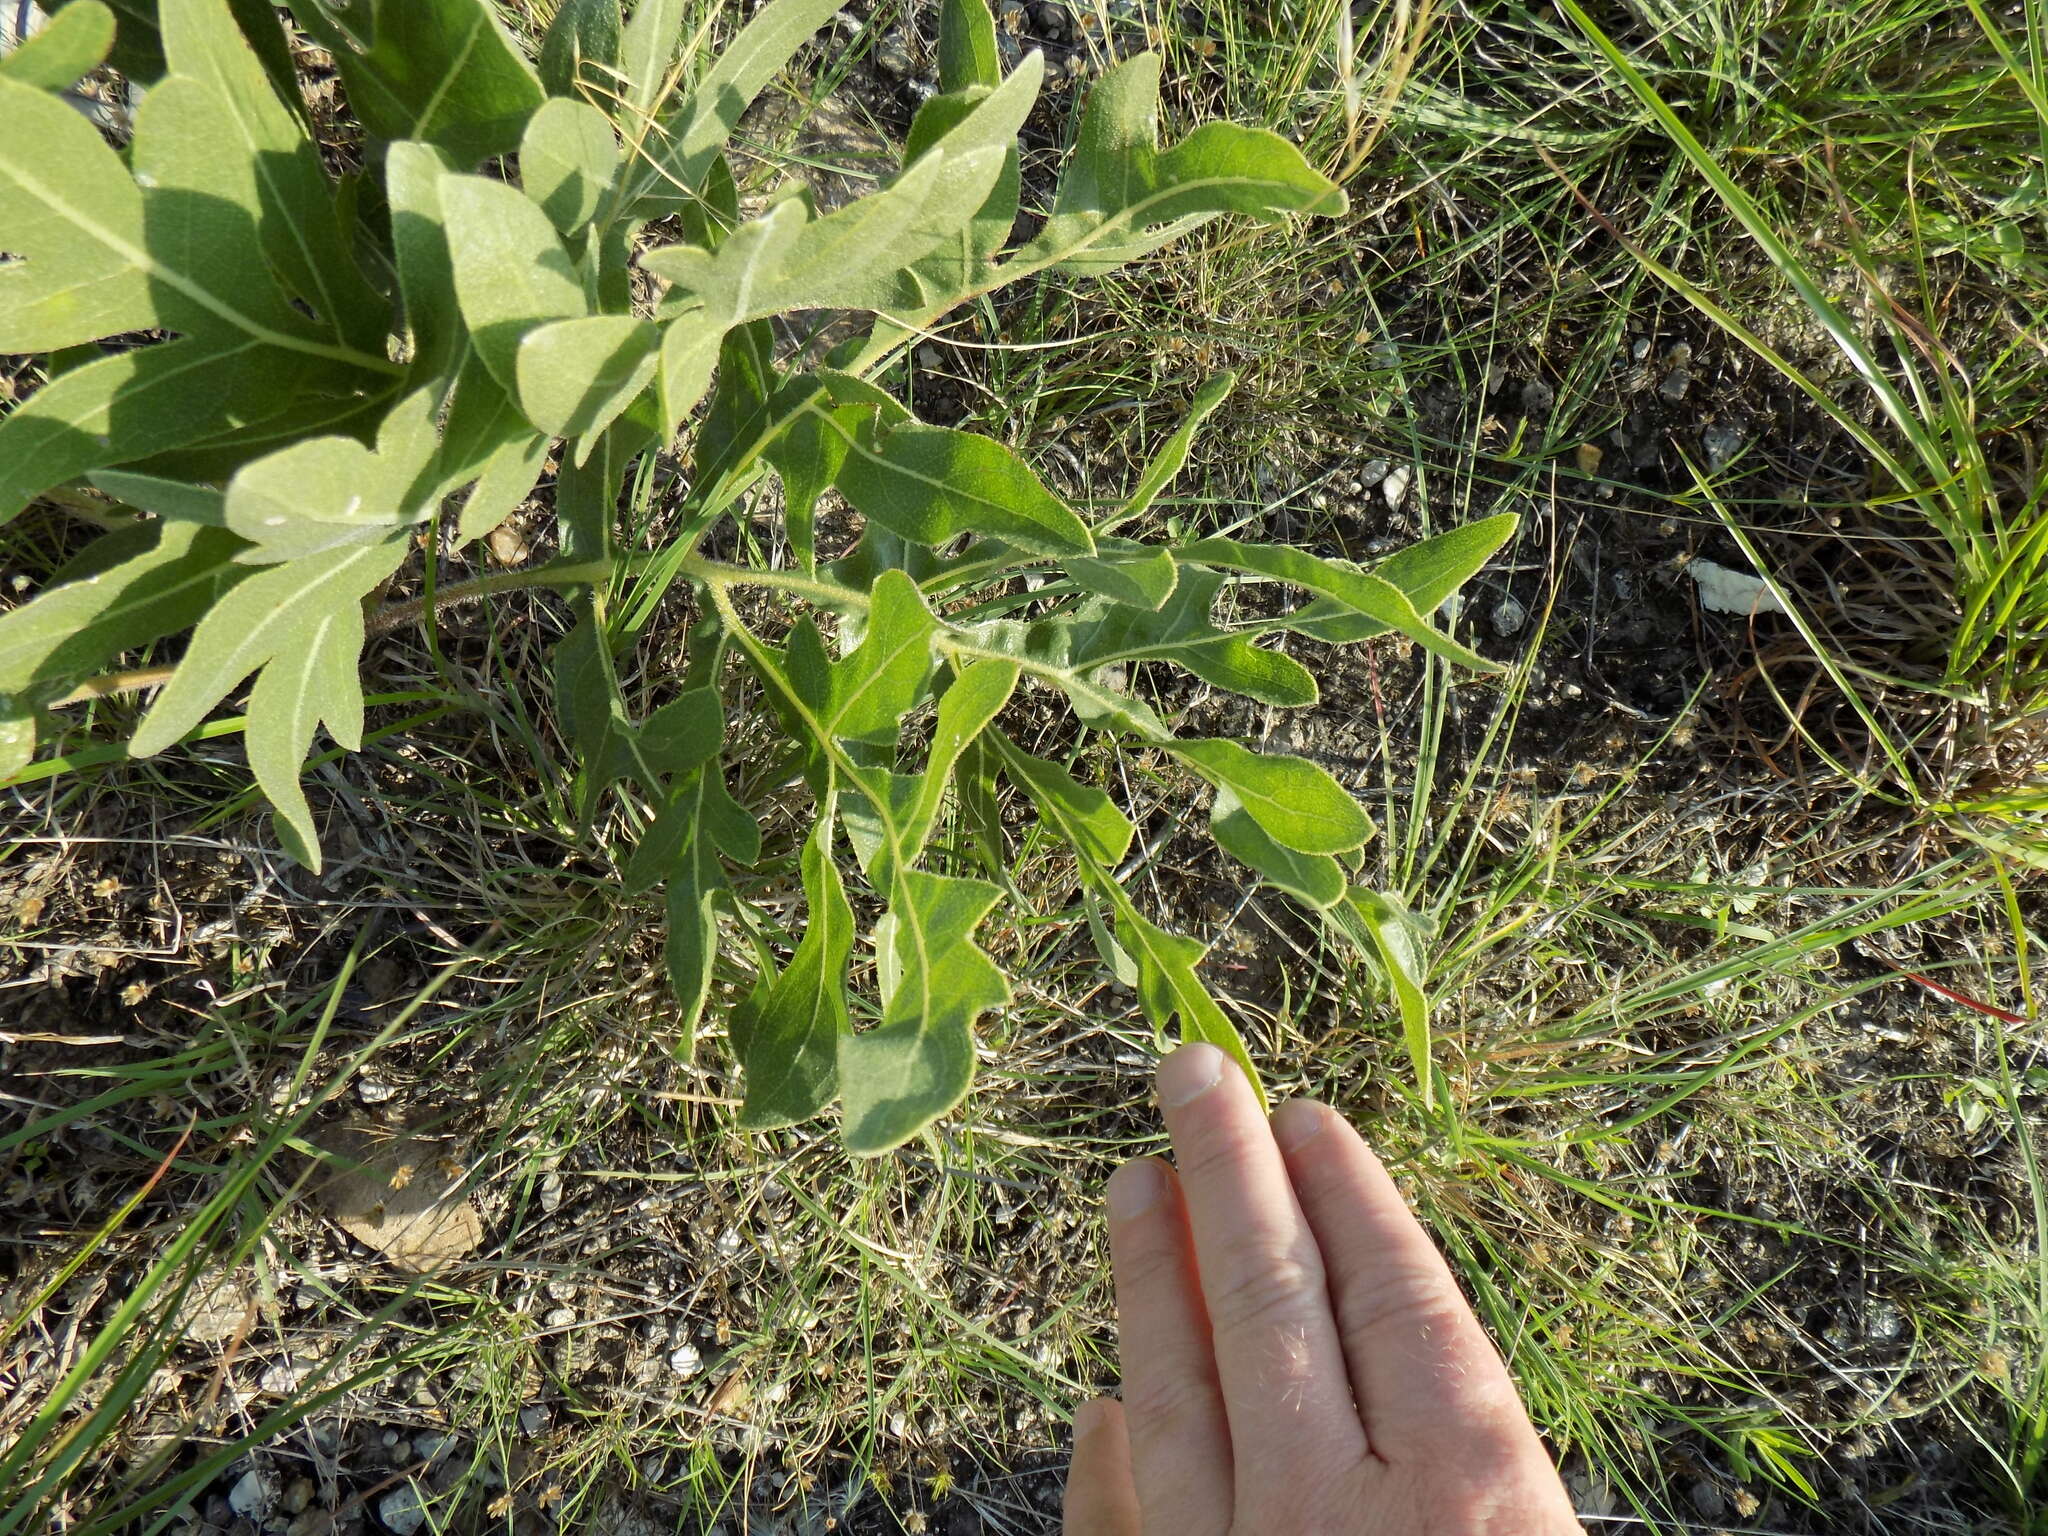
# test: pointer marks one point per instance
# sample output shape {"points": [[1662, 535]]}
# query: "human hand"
{"points": [[1297, 1358]]}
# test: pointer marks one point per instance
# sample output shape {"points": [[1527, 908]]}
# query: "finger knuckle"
{"points": [[1221, 1154], [1168, 1407], [1421, 1303], [1150, 1268], [1264, 1289]]}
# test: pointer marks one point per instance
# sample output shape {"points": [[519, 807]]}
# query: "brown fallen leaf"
{"points": [[373, 1192]]}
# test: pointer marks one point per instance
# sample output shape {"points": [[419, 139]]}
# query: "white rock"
{"points": [[1723, 590], [251, 1494], [401, 1510], [1395, 486], [685, 1361]]}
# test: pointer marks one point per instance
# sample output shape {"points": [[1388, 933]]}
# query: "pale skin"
{"points": [[1298, 1360]]}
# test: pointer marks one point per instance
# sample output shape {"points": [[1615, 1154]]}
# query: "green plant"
{"points": [[349, 364]]}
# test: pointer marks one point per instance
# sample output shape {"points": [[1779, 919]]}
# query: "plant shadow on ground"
{"points": [[1753, 1211]]}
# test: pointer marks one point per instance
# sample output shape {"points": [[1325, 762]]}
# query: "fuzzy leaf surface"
{"points": [[71, 45], [511, 271], [329, 492], [1293, 800], [1315, 878], [931, 484], [567, 159], [582, 48], [1121, 197]]}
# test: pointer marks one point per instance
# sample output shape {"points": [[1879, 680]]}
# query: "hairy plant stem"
{"points": [[395, 616], [111, 683]]}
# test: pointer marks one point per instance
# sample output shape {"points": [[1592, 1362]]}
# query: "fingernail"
{"points": [[1297, 1122], [1189, 1073], [1135, 1188]]}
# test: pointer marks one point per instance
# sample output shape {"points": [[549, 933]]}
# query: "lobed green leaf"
{"points": [[265, 163], [1428, 572], [512, 274], [919, 1062], [576, 377], [1121, 197], [680, 151], [1168, 987], [73, 217], [789, 1047], [123, 591], [303, 619], [1363, 592], [330, 492]]}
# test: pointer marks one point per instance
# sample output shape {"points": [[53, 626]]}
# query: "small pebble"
{"points": [[1720, 442], [1675, 384], [373, 1090], [1509, 615], [560, 1317], [1048, 20], [686, 1361], [892, 57], [508, 545], [533, 1418], [401, 1510], [1395, 487]]}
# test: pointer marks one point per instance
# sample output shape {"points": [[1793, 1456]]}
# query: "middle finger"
{"points": [[1285, 1390]]}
